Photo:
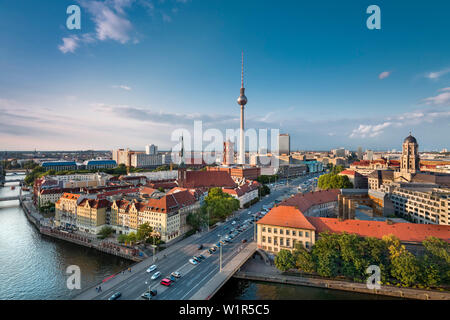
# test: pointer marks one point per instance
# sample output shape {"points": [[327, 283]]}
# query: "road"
{"points": [[193, 277]]}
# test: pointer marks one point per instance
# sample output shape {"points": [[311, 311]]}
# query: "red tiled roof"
{"points": [[97, 204], [286, 216], [406, 232], [305, 201], [209, 179], [241, 190], [348, 172]]}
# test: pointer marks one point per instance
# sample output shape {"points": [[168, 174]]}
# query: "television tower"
{"points": [[242, 101]]}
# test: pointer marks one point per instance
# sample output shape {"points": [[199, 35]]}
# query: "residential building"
{"points": [[323, 203], [91, 215]]}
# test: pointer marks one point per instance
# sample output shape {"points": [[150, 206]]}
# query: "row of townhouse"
{"points": [[166, 215], [244, 193]]}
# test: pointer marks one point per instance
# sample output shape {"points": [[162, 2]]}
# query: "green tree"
{"points": [[284, 260], [131, 238], [105, 232], [144, 231], [334, 181], [326, 255], [437, 254], [304, 260], [122, 238]]}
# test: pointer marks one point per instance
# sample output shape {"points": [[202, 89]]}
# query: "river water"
{"points": [[33, 266]]}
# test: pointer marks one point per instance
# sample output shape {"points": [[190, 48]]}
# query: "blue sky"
{"points": [[139, 69]]}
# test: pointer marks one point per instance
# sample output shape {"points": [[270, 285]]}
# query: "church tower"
{"points": [[409, 162]]}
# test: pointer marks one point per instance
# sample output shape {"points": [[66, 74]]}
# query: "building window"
{"points": [[281, 241], [294, 233], [281, 231], [269, 239], [288, 243], [263, 229], [306, 234], [300, 233], [275, 230], [263, 239], [269, 230], [287, 232]]}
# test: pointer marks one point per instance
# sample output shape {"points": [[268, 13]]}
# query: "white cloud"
{"points": [[437, 74], [124, 87], [384, 75], [442, 99], [69, 44]]}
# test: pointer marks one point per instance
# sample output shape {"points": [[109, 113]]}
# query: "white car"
{"points": [[234, 222], [151, 268], [156, 275], [192, 261]]}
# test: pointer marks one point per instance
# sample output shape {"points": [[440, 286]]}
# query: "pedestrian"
{"points": [[100, 289], [96, 289]]}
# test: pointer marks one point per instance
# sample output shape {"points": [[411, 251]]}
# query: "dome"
{"points": [[410, 139], [242, 100]]}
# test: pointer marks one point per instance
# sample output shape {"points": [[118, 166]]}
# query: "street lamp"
{"points": [[154, 252]]}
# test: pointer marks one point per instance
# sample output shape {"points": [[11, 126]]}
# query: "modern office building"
{"points": [[284, 144], [143, 160], [151, 149]]}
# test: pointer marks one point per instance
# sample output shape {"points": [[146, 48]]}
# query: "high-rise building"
{"points": [[284, 144], [242, 101], [228, 153], [151, 149], [359, 154]]}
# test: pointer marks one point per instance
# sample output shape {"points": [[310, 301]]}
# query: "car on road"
{"points": [[166, 282], [244, 240], [192, 261], [234, 222], [222, 241], [200, 247], [115, 296], [152, 268], [202, 257], [171, 278], [156, 275], [218, 244], [196, 258], [146, 295], [213, 249], [176, 274], [210, 251]]}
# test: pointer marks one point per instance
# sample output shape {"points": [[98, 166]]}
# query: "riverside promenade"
{"points": [[257, 270], [44, 226]]}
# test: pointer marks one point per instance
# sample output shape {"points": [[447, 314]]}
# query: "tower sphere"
{"points": [[242, 100]]}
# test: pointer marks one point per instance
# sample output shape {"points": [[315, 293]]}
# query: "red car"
{"points": [[166, 282]]}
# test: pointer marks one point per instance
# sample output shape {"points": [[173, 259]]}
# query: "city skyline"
{"points": [[316, 72]]}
